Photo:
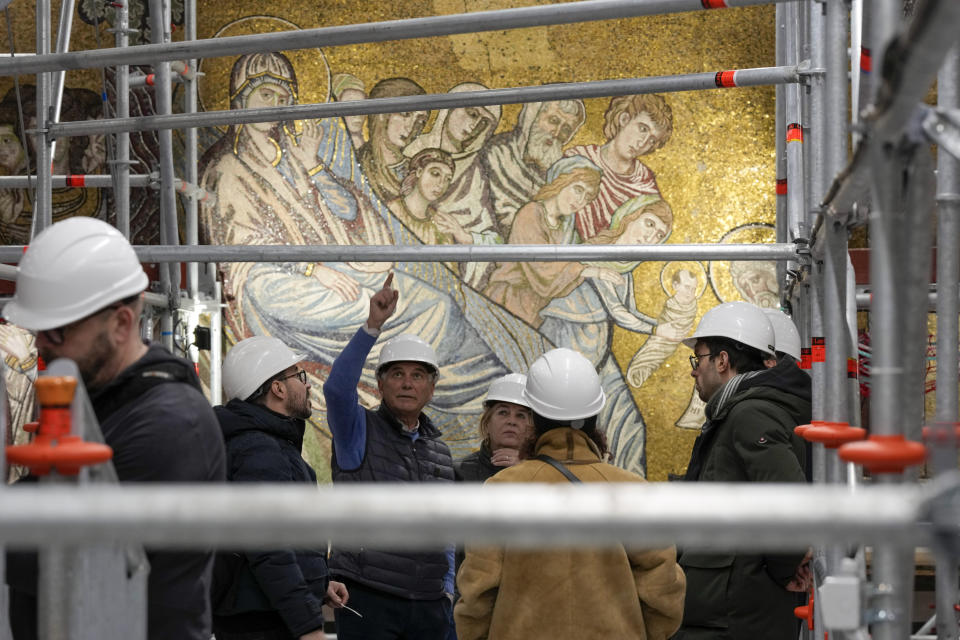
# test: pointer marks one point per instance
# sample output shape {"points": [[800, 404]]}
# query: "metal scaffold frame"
{"points": [[823, 192]]}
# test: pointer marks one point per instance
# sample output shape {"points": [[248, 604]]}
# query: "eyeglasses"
{"points": [[695, 360], [58, 335], [299, 374]]}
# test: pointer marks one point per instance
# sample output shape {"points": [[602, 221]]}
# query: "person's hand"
{"points": [[309, 144], [603, 273], [670, 331], [802, 578], [505, 457], [448, 224], [314, 635], [337, 594], [345, 286], [382, 304]]}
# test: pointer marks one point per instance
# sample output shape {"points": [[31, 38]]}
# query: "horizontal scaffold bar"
{"points": [[448, 253], [532, 515], [424, 27], [761, 76], [100, 181]]}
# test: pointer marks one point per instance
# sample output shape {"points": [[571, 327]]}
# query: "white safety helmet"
{"points": [[407, 347], [72, 269], [252, 362], [563, 385], [508, 388], [787, 336], [741, 321]]}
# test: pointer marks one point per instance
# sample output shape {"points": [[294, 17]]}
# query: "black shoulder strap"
{"points": [[559, 466]]}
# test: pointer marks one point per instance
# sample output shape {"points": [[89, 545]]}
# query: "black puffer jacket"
{"points": [[264, 446], [476, 466]]}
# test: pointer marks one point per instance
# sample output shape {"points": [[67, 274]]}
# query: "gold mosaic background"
{"points": [[717, 171]]}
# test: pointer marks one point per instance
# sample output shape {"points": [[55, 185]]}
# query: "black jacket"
{"points": [[264, 446], [162, 429], [476, 466], [747, 438], [392, 456]]}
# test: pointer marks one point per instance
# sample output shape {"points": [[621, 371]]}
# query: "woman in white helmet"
{"points": [[506, 431], [508, 592]]}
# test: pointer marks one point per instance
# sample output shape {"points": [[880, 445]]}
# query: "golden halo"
{"points": [[721, 281], [693, 266], [313, 71]]}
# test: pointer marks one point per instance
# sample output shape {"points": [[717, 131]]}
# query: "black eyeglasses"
{"points": [[695, 360], [300, 374], [58, 335]]}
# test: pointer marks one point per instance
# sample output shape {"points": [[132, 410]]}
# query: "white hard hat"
{"points": [[563, 385], [407, 348], [252, 362], [741, 321], [508, 388], [787, 336], [72, 269]]}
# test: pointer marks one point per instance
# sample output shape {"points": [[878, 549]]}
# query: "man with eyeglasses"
{"points": [[401, 595], [79, 288], [275, 594], [748, 437]]}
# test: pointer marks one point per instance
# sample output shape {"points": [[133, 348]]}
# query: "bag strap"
{"points": [[559, 466]]}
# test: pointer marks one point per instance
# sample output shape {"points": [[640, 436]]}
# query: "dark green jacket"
{"points": [[748, 437]]}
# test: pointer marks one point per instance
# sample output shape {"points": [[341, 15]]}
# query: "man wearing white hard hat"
{"points": [[619, 592], [748, 437], [78, 289], [400, 594], [272, 594]]}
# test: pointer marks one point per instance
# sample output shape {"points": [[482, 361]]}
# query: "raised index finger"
{"points": [[388, 281]]}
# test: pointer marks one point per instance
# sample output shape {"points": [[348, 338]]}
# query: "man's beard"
{"points": [[542, 149], [91, 363], [299, 407]]}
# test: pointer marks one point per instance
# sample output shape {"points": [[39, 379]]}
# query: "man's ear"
{"points": [[126, 323], [624, 119], [722, 361]]}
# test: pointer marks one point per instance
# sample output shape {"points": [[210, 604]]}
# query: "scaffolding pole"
{"points": [[948, 344], [705, 515], [190, 173], [431, 26], [43, 197], [762, 76], [121, 161], [447, 253]]}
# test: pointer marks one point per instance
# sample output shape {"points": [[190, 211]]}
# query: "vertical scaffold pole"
{"points": [[121, 168], [43, 199], [948, 342], [190, 156], [163, 93]]}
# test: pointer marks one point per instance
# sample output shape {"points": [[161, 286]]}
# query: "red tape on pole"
{"points": [[781, 186], [76, 181], [725, 79], [794, 132]]}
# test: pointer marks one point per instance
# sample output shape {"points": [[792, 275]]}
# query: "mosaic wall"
{"points": [[674, 168]]}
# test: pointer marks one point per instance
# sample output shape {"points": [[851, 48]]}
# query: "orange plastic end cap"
{"points": [[884, 454], [833, 434], [56, 390]]}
